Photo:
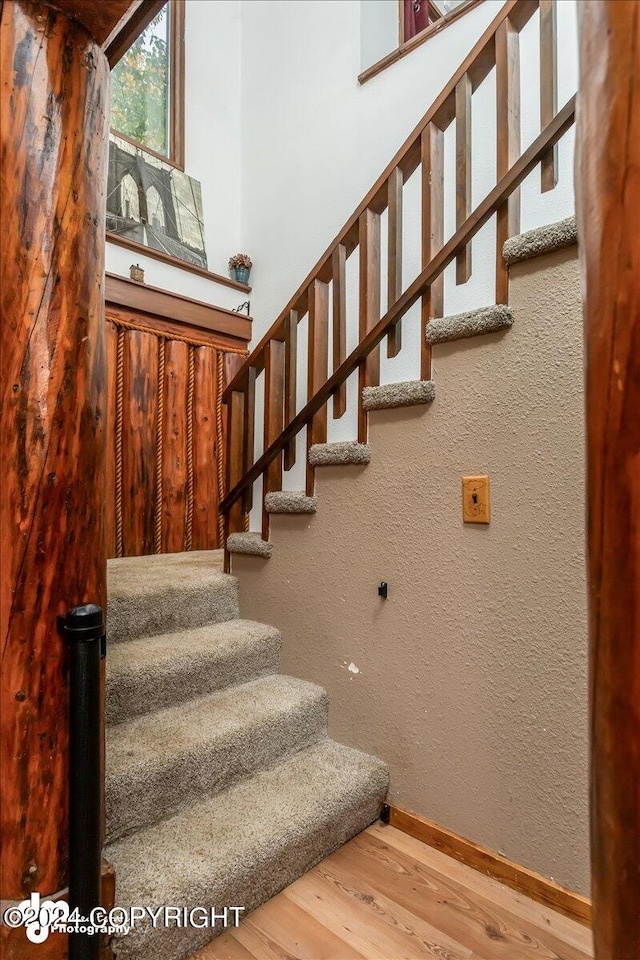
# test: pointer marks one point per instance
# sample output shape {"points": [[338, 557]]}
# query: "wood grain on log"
{"points": [[54, 98], [608, 187]]}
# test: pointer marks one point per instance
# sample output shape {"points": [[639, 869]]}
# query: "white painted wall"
{"points": [[314, 141], [212, 150], [286, 142]]}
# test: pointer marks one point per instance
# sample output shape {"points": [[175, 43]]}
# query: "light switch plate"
{"points": [[475, 499]]}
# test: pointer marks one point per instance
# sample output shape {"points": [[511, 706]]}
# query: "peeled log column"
{"points": [[53, 142], [608, 190]]}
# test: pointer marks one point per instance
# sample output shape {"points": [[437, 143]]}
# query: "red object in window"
{"points": [[416, 17]]}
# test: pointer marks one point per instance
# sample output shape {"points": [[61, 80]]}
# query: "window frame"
{"points": [[406, 46], [175, 156]]}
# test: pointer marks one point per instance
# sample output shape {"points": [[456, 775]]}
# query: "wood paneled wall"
{"points": [[165, 440]]}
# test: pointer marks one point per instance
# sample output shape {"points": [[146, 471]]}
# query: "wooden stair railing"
{"points": [[276, 354]]}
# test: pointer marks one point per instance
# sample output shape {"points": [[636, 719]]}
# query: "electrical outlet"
{"points": [[475, 499]]}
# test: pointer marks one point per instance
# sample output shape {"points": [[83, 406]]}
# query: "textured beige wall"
{"points": [[471, 677]]}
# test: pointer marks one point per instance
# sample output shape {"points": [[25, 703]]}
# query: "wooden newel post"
{"points": [[54, 102], [608, 189]]}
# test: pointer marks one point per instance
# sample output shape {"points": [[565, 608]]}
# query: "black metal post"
{"points": [[84, 629]]}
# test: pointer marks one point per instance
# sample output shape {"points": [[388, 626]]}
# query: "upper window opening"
{"points": [[390, 29], [417, 15], [147, 88]]}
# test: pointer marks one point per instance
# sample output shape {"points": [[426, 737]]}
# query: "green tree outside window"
{"points": [[140, 87]]}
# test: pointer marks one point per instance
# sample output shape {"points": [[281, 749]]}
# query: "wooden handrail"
{"points": [[473, 223], [276, 354], [476, 66]]}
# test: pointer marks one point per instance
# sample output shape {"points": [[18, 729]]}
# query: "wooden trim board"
{"points": [[145, 251], [141, 297], [533, 885]]}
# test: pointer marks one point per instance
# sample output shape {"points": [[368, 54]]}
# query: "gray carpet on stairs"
{"points": [[533, 243], [290, 501], [155, 672], [249, 543], [244, 845], [158, 594], [337, 454], [392, 395], [162, 762], [473, 323], [221, 785]]}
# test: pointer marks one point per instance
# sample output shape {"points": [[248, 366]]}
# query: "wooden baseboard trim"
{"points": [[535, 886]]}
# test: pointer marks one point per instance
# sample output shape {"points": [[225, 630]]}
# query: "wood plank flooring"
{"points": [[387, 896]]}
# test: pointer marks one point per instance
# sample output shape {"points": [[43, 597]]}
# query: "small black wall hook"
{"points": [[383, 590]]}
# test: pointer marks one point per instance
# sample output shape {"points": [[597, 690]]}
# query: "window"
{"points": [[417, 15], [390, 29], [147, 87]]}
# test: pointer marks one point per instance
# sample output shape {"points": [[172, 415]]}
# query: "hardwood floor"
{"points": [[387, 896]]}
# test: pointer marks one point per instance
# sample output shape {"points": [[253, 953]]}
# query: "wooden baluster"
{"points": [[290, 382], [548, 88], [235, 457], [463, 171], [508, 143], [369, 369], [432, 154], [394, 260], [249, 432], [317, 368], [338, 273], [273, 419]]}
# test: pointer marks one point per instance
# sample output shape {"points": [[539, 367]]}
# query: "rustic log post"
{"points": [[53, 141], [608, 189]]}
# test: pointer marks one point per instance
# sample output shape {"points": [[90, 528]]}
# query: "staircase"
{"points": [[222, 785]]}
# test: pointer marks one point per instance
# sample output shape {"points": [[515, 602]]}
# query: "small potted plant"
{"points": [[240, 266]]}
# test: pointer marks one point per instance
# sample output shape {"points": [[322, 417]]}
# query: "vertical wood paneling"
{"points": [[139, 446], [463, 171], [508, 145], [273, 418], [369, 306], [394, 255], [548, 87], [204, 534], [290, 382], [339, 322], [111, 333], [317, 372], [174, 446], [432, 157]]}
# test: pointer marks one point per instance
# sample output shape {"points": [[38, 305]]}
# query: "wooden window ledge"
{"points": [[416, 41]]}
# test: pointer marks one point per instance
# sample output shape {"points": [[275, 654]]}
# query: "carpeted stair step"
{"points": [[534, 243], [160, 763], [249, 543], [338, 454], [159, 594], [242, 846], [154, 672], [473, 323], [290, 501], [392, 395]]}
